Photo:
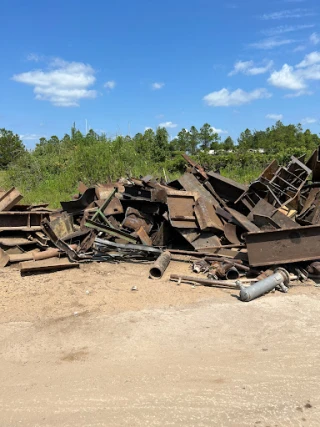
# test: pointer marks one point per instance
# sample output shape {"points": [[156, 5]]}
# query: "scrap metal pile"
{"points": [[254, 238]]}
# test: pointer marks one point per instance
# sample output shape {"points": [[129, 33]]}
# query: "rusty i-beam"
{"points": [[283, 246]]}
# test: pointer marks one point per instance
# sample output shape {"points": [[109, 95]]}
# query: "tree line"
{"points": [[51, 170], [157, 146]]}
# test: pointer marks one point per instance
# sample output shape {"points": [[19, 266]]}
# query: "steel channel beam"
{"points": [[284, 246]]}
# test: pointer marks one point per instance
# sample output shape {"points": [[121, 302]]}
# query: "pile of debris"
{"points": [[256, 238]]}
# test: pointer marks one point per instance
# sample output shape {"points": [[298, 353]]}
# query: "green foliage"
{"points": [[52, 170], [278, 138], [208, 139], [11, 147]]}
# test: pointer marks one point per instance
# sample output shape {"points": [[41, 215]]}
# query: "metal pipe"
{"points": [[232, 273], [160, 265], [228, 271], [279, 278]]}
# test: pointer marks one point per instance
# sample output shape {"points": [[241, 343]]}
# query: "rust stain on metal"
{"points": [[284, 246], [190, 183], [143, 236], [114, 207], [47, 265], [63, 225], [206, 240], [181, 209], [135, 219], [242, 220], [196, 166], [9, 199], [22, 221], [206, 215], [230, 231]]}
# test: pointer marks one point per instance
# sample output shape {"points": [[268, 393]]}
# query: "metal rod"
{"points": [[205, 282]]}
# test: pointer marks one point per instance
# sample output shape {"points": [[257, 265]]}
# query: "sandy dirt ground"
{"points": [[80, 348]]}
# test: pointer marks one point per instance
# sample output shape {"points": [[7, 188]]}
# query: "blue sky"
{"points": [[127, 65]]}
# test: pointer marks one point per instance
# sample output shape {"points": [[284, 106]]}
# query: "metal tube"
{"points": [[160, 265], [232, 273], [280, 277]]}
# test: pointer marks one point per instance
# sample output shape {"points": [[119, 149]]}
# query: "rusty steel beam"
{"points": [[206, 215], [22, 221], [54, 264], [284, 246], [195, 165], [242, 220], [9, 199], [190, 183]]}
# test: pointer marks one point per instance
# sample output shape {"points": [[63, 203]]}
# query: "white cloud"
{"points": [[286, 78], [218, 131], [224, 98], [282, 29], [157, 85], [285, 14], [31, 137], [315, 38], [310, 73], [111, 84], [308, 120], [297, 94], [271, 43], [310, 59], [248, 68], [168, 125], [63, 84], [274, 116]]}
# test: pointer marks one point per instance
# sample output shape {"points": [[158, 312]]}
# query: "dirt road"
{"points": [[79, 348]]}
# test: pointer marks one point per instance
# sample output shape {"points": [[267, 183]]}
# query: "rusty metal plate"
{"points": [[63, 225], [114, 207], [181, 209], [206, 215], [189, 234], [230, 231], [206, 240], [284, 246]]}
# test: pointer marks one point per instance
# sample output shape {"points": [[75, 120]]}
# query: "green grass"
{"points": [[63, 187]]}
